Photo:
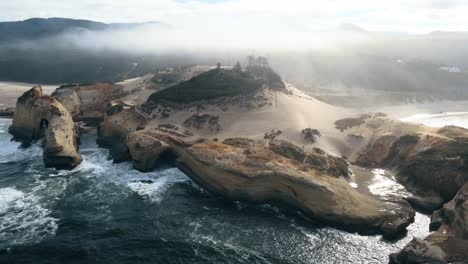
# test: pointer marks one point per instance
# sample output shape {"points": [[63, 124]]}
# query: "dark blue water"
{"points": [[102, 213]]}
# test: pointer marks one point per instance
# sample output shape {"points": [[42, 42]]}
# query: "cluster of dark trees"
{"points": [[259, 61]]}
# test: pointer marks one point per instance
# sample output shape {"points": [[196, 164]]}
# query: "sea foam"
{"points": [[23, 219]]}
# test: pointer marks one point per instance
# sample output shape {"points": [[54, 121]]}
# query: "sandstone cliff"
{"points": [[254, 147], [88, 102], [273, 172], [41, 116], [431, 162]]}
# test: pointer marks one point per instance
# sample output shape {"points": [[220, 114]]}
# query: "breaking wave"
{"points": [[23, 219]]}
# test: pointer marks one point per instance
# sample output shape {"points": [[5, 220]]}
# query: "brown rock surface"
{"points": [[88, 102], [119, 121], [449, 244], [431, 162], [38, 116], [252, 170]]}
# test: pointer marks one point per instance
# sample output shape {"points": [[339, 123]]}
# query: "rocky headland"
{"points": [[247, 135]]}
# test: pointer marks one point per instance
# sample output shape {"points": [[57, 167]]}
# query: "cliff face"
{"points": [[41, 116], [88, 102], [27, 117], [119, 121], [253, 147], [271, 172], [430, 161]]}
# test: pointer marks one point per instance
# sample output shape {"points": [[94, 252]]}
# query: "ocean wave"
{"points": [[154, 190], [24, 220]]}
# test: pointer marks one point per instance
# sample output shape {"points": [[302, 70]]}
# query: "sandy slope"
{"points": [[289, 112]]}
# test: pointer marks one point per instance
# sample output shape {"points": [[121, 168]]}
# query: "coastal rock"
{"points": [[27, 119], [436, 220], [449, 244], [316, 159], [455, 214], [250, 170], [88, 102], [206, 121], [41, 116], [119, 121], [419, 252], [430, 162]]}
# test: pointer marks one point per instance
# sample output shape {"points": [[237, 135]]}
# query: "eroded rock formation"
{"points": [[449, 244], [431, 162], [88, 102], [269, 172], [41, 116], [119, 121]]}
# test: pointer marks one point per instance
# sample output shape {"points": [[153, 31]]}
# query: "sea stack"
{"points": [[41, 116]]}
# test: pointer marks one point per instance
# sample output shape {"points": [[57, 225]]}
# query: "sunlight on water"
{"points": [[385, 185], [440, 120]]}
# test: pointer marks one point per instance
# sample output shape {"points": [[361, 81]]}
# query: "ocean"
{"points": [[102, 212]]}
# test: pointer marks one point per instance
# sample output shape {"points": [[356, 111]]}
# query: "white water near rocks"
{"points": [[74, 210]]}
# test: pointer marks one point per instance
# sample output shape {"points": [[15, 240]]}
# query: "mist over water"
{"points": [[102, 212]]}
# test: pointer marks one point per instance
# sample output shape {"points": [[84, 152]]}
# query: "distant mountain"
{"points": [[35, 28], [39, 50]]}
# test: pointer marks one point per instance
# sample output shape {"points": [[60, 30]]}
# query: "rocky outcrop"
{"points": [[449, 244], [88, 102], [119, 121], [205, 121], [419, 252], [431, 162], [41, 116], [274, 172], [26, 123]]}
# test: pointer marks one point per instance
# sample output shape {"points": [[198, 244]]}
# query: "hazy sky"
{"points": [[414, 16]]}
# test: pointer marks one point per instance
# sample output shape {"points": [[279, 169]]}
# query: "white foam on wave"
{"points": [[9, 151], [23, 219], [154, 190], [151, 185]]}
